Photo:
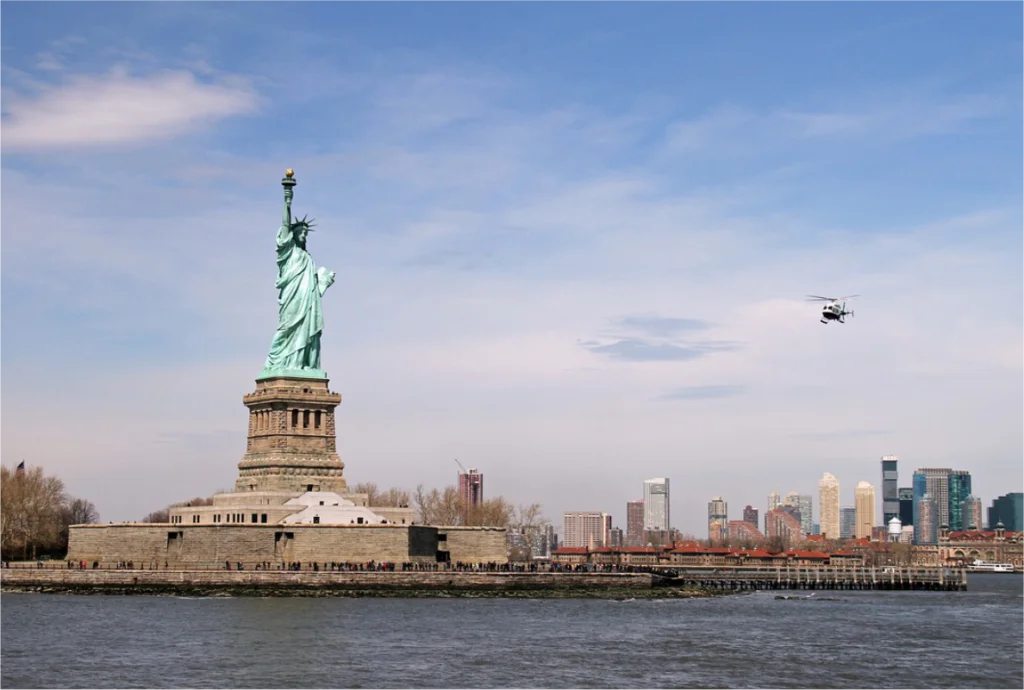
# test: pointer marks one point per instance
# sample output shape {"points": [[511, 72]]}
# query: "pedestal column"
{"points": [[297, 450]]}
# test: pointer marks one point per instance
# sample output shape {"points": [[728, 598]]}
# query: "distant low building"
{"points": [[696, 555], [992, 546]]}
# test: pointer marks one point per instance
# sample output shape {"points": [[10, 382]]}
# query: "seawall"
{"points": [[378, 584]]}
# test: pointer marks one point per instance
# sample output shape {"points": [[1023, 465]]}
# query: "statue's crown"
{"points": [[305, 222]]}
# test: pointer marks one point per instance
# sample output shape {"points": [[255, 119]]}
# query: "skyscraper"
{"points": [[792, 499], [635, 523], [864, 505], [906, 495], [773, 502], [584, 528], [1009, 510], [828, 499], [926, 518], [471, 488], [890, 490], [847, 522], [959, 490], [807, 514], [750, 515], [972, 513], [718, 519], [948, 489], [656, 504]]}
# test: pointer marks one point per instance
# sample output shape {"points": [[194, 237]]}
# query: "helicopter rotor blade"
{"points": [[849, 297], [819, 298]]}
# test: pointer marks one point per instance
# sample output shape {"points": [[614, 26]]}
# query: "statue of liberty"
{"points": [[295, 350]]}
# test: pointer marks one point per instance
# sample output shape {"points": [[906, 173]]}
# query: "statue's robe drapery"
{"points": [[300, 322]]}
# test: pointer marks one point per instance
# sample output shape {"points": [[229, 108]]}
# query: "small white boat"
{"points": [[980, 566]]}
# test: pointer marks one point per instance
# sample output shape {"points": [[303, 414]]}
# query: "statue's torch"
{"points": [[288, 182]]}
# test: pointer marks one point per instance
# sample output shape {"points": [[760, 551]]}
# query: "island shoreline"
{"points": [[348, 584]]}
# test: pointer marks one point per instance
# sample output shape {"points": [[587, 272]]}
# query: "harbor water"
{"points": [[859, 639]]}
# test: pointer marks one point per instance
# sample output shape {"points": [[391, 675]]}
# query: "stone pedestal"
{"points": [[291, 444]]}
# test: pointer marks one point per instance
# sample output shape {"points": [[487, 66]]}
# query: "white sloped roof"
{"points": [[334, 510]]}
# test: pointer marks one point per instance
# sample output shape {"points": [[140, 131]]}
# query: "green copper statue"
{"points": [[295, 350]]}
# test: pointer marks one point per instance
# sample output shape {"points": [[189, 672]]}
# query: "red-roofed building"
{"points": [[570, 555], [758, 558], [626, 555], [798, 557], [993, 546], [695, 555], [846, 558]]}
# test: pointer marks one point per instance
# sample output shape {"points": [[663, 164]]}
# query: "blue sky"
{"points": [[571, 241]]}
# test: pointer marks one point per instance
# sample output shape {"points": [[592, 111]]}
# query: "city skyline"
{"points": [[572, 244]]}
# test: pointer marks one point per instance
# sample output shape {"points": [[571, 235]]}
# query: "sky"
{"points": [[572, 243]]}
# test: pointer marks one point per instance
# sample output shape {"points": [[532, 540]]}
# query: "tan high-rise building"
{"points": [[828, 498], [585, 528], [635, 523], [864, 503], [718, 519]]}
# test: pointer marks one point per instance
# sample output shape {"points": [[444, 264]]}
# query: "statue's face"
{"points": [[300, 235]]}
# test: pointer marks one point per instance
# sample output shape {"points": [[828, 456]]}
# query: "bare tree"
{"points": [[164, 514], [30, 511], [493, 512], [393, 497], [398, 498], [13, 522], [368, 488], [81, 512], [197, 501], [529, 520], [78, 511], [438, 507]]}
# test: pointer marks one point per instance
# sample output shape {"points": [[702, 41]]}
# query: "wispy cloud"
{"points": [[704, 392], [708, 130], [905, 117], [116, 109], [901, 121], [657, 339], [636, 350]]}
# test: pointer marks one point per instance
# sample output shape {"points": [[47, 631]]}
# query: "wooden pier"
{"points": [[819, 578]]}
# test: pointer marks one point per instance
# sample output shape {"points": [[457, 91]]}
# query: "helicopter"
{"points": [[835, 310]]}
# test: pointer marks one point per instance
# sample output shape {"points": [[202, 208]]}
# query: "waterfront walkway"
{"points": [[815, 578], [511, 577]]}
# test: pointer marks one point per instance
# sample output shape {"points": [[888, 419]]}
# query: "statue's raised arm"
{"points": [[295, 350], [285, 232]]}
